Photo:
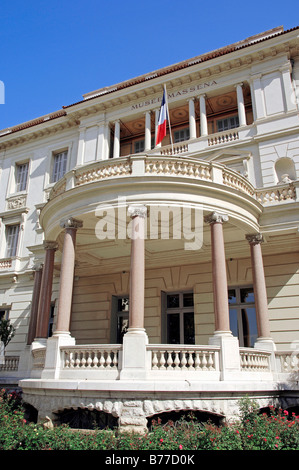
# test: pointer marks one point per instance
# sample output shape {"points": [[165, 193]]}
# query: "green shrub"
{"points": [[254, 431]]}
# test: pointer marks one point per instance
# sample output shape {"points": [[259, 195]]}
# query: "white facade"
{"points": [[234, 120]]}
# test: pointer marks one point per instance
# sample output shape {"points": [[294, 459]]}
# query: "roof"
{"points": [[275, 32]]}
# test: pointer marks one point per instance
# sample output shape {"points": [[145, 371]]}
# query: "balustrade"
{"points": [[254, 361], [98, 357], [180, 358]]}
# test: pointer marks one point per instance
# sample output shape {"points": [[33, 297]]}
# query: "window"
{"points": [[138, 146], [242, 315], [59, 166], [181, 135], [179, 321], [21, 177], [12, 238], [119, 318], [227, 123], [4, 313]]}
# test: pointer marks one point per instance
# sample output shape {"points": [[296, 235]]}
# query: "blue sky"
{"points": [[53, 52]]}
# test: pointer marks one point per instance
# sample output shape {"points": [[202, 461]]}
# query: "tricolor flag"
{"points": [[163, 117]]}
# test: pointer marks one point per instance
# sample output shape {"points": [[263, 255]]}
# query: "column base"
{"points": [[266, 344], [39, 343], [135, 356], [229, 354]]}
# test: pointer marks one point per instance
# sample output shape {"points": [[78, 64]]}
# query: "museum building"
{"points": [[144, 278]]}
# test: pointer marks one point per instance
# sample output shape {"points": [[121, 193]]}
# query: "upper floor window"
{"points": [[12, 238], [21, 175], [227, 123], [181, 135], [59, 166], [242, 315], [139, 146]]}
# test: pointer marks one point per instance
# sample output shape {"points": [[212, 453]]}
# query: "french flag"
{"points": [[161, 131]]}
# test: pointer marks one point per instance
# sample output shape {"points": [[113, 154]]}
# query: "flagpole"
{"points": [[166, 99]]}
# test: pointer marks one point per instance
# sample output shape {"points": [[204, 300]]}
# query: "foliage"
{"points": [[7, 331], [255, 431]]}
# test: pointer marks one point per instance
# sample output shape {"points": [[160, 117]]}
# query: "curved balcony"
{"points": [[152, 180]]}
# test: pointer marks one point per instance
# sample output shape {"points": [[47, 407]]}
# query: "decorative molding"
{"points": [[16, 202], [215, 217]]}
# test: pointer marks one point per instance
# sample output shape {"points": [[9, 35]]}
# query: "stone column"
{"points": [[135, 359], [138, 214], [147, 136], [116, 145], [38, 272], [241, 105], [45, 293], [192, 121], [61, 335], [260, 291], [67, 276], [219, 271], [229, 345], [203, 116]]}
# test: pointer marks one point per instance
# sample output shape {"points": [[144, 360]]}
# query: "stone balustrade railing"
{"points": [[223, 137], [276, 194], [91, 357], [11, 363], [255, 361], [179, 166], [289, 361], [181, 358]]}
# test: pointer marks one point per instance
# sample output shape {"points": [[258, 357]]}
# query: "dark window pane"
{"points": [[188, 300], [249, 327], [189, 336], [232, 296], [173, 328], [233, 322], [173, 301], [247, 295]]}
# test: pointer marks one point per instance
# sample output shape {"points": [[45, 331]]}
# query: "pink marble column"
{"points": [[221, 310], [38, 272], [136, 318], [46, 290], [67, 276], [259, 286]]}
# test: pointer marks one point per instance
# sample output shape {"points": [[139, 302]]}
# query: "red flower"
{"points": [[161, 440]]}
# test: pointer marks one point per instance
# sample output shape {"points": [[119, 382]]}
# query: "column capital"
{"points": [[239, 84], [255, 239], [71, 222], [50, 245], [215, 217], [140, 211]]}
